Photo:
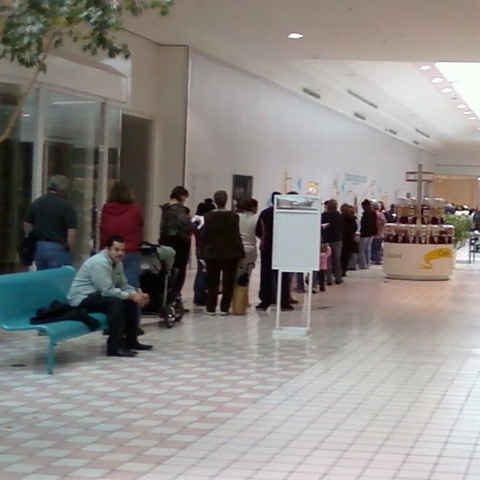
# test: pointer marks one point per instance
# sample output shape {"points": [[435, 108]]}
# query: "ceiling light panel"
{"points": [[465, 78], [295, 36]]}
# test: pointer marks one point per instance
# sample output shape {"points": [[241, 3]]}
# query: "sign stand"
{"points": [[296, 249]]}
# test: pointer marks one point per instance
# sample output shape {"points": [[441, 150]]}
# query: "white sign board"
{"points": [[296, 233]]}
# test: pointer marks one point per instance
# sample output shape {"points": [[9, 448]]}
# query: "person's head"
{"points": [[209, 204], [332, 205], [253, 205], [274, 194], [243, 205], [345, 208], [375, 205], [325, 204], [220, 198], [120, 193], [366, 204], [179, 194], [58, 184], [382, 206], [115, 247]]}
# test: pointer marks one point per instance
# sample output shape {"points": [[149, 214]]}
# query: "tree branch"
{"points": [[23, 97]]}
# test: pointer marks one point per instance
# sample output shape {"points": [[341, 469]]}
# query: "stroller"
{"points": [[156, 280]]}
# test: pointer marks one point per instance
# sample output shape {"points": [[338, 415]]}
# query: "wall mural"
{"points": [[347, 188]]}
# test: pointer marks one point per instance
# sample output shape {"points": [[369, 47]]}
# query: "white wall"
{"points": [[159, 90], [459, 159], [240, 124]]}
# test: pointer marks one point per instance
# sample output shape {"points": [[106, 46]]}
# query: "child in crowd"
{"points": [[325, 252]]}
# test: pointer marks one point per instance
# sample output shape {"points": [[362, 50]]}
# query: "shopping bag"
{"points": [[240, 300]]}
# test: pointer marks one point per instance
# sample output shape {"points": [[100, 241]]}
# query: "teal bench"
{"points": [[22, 294]]}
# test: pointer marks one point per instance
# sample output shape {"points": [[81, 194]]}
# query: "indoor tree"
{"points": [[31, 29]]}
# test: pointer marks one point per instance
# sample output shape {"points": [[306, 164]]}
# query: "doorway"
{"points": [[135, 156]]}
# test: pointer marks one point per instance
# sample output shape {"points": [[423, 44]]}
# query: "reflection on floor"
{"points": [[387, 386]]}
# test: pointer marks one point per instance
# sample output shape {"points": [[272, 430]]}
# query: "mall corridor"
{"points": [[385, 387]]}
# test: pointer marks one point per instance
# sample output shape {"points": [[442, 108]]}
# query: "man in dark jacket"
{"points": [[221, 249], [268, 276], [368, 229]]}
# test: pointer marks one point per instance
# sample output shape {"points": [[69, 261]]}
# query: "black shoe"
{"points": [[329, 284], [121, 352], [287, 308], [322, 288], [138, 346], [338, 282], [293, 302], [261, 307], [140, 332]]}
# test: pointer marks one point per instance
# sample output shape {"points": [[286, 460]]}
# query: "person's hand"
{"points": [[138, 298]]}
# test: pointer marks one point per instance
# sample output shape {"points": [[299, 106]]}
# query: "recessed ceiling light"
{"points": [[295, 36], [437, 80], [461, 106], [424, 68], [446, 90], [26, 115], [467, 112], [472, 118]]}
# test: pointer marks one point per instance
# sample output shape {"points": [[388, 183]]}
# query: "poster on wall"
{"points": [[242, 188]]}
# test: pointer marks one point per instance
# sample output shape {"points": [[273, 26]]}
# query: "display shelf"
{"points": [[419, 246]]}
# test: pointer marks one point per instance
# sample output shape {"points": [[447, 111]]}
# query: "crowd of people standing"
{"points": [[225, 247]]}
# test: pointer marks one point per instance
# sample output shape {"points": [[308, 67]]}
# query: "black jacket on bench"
{"points": [[58, 311]]}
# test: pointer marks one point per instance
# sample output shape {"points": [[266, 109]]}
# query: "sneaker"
{"points": [[322, 288], [261, 308], [211, 314], [223, 314], [314, 291]]}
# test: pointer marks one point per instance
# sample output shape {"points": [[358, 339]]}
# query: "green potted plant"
{"points": [[463, 223]]}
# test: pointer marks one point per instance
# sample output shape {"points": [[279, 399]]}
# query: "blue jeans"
{"points": [[51, 255], [365, 252], [377, 252], [131, 264]]}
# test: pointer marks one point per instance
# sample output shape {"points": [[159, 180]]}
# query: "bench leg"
{"points": [[51, 356]]}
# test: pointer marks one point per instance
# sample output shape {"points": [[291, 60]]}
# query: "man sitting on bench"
{"points": [[101, 286]]}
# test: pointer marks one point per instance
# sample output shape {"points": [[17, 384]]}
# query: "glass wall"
{"points": [[73, 132], [16, 162], [79, 138]]}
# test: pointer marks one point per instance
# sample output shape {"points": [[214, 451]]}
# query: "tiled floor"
{"points": [[387, 386]]}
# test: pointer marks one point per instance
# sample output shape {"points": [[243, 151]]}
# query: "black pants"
{"points": [[182, 256], [345, 258], [122, 318], [200, 285], [268, 283], [228, 270]]}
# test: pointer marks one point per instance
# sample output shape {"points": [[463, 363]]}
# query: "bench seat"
{"points": [[22, 294]]}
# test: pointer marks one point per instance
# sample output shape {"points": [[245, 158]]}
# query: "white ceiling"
{"points": [[371, 47]]}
